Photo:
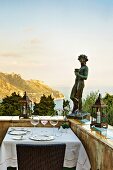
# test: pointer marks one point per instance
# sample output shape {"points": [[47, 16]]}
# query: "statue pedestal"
{"points": [[78, 115]]}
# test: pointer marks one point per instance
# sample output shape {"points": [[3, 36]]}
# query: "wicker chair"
{"points": [[40, 157]]}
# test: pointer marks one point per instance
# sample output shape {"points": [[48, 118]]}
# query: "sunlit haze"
{"points": [[41, 39]]}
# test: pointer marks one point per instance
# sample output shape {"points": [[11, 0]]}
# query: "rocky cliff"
{"points": [[10, 83]]}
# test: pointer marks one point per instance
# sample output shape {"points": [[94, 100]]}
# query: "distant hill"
{"points": [[10, 83]]}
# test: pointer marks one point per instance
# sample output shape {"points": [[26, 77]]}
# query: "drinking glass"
{"points": [[44, 121], [54, 121], [34, 121]]}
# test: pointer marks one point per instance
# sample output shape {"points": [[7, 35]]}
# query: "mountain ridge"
{"points": [[13, 82]]}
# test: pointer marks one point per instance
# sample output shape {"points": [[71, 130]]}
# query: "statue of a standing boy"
{"points": [[77, 90]]}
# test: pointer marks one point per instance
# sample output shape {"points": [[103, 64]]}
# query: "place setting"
{"points": [[21, 137], [42, 133], [41, 138], [18, 133]]}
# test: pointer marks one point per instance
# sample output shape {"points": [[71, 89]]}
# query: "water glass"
{"points": [[53, 121]]}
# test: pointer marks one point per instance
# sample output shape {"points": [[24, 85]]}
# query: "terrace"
{"points": [[98, 144]]}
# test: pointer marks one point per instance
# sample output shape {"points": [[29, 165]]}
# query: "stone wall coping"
{"points": [[16, 118], [95, 134]]}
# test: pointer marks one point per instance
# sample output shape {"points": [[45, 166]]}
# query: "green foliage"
{"points": [[108, 99], [10, 105], [45, 107], [66, 107], [65, 125], [89, 101], [66, 103]]}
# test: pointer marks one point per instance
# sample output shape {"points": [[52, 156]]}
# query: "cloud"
{"points": [[31, 65], [27, 30], [23, 63], [29, 44], [10, 55], [35, 41]]}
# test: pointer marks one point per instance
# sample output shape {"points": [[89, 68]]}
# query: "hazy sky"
{"points": [[41, 39]]}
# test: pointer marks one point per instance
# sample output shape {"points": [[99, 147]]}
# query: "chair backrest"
{"points": [[40, 157]]}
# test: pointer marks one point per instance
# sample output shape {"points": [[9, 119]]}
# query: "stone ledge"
{"points": [[98, 147], [95, 134]]}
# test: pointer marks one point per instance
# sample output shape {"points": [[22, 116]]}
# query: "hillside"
{"points": [[10, 83]]}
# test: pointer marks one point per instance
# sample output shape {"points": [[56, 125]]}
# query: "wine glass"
{"points": [[44, 121], [54, 121], [34, 121]]}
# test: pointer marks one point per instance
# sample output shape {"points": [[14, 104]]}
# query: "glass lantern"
{"points": [[26, 105], [99, 114]]}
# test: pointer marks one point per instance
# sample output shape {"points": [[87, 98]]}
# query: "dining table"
{"points": [[75, 153]]}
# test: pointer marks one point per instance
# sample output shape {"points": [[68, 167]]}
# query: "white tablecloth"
{"points": [[75, 154]]}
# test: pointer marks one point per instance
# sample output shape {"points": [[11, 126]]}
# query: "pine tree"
{"points": [[10, 105], [45, 107]]}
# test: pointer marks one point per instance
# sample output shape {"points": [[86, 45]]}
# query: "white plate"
{"points": [[19, 128], [18, 138], [42, 138], [18, 132]]}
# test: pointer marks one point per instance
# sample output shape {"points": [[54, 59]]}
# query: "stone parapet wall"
{"points": [[98, 148]]}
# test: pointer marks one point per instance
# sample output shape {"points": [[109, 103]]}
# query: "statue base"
{"points": [[78, 115]]}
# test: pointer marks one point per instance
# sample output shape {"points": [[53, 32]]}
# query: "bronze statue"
{"points": [[77, 90]]}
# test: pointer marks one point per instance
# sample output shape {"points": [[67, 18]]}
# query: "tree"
{"points": [[45, 107], [108, 99], [10, 105], [89, 101]]}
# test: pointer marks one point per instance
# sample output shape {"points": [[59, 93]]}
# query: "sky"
{"points": [[42, 39]]}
